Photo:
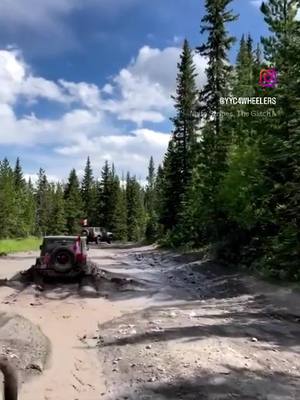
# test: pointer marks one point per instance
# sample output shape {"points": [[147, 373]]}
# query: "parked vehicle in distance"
{"points": [[96, 234], [62, 256]]}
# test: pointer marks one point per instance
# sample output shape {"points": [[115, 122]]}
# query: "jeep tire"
{"points": [[62, 259]]}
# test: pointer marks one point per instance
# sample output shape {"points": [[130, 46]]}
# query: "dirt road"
{"points": [[179, 328]]}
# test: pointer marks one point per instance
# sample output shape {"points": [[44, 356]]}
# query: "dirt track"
{"points": [[183, 329]]}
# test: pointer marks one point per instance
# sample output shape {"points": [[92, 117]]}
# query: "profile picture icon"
{"points": [[268, 78]]}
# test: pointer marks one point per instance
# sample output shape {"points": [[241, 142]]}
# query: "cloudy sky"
{"points": [[94, 77]]}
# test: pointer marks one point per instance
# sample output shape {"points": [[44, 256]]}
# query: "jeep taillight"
{"points": [[45, 260], [77, 247]]}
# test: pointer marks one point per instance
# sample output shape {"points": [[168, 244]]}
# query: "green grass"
{"points": [[16, 245]]}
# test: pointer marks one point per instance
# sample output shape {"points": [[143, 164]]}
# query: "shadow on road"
{"points": [[237, 383], [117, 245], [198, 322]]}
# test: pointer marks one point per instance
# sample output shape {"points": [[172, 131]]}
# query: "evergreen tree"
{"points": [[105, 197], [88, 194], [216, 50], [244, 85], [29, 207], [158, 199], [201, 203], [73, 204], [8, 204], [119, 218], [280, 143], [151, 229], [257, 66], [42, 204], [185, 121], [57, 221], [18, 175], [24, 224], [179, 160], [135, 210]]}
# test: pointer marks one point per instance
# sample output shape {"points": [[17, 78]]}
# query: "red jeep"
{"points": [[62, 256]]}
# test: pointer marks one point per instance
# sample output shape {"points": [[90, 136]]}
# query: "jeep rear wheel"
{"points": [[62, 260]]}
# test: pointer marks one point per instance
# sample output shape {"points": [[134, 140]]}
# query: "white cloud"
{"points": [[256, 3], [108, 89], [30, 130], [139, 93], [34, 178], [88, 94], [12, 73], [146, 85], [17, 80], [130, 152]]}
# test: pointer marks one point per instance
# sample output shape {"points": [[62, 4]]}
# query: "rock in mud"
{"points": [[25, 344]]}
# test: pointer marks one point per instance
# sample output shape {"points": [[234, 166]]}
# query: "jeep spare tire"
{"points": [[62, 259]]}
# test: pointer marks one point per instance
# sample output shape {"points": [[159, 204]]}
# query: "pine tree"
{"points": [[73, 204], [119, 218], [280, 144], [23, 224], [216, 50], [158, 199], [152, 220], [88, 194], [29, 207], [8, 204], [185, 121], [179, 159], [42, 204], [201, 203], [57, 221], [244, 85], [18, 174], [135, 210], [106, 206]]}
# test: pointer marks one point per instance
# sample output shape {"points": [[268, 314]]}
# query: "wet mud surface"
{"points": [[158, 325]]}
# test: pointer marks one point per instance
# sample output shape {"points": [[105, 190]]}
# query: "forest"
{"points": [[230, 179]]}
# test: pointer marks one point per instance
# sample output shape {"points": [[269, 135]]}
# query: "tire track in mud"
{"points": [[70, 322]]}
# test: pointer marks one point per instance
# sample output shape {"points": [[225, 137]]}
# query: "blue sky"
{"points": [[94, 77]]}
